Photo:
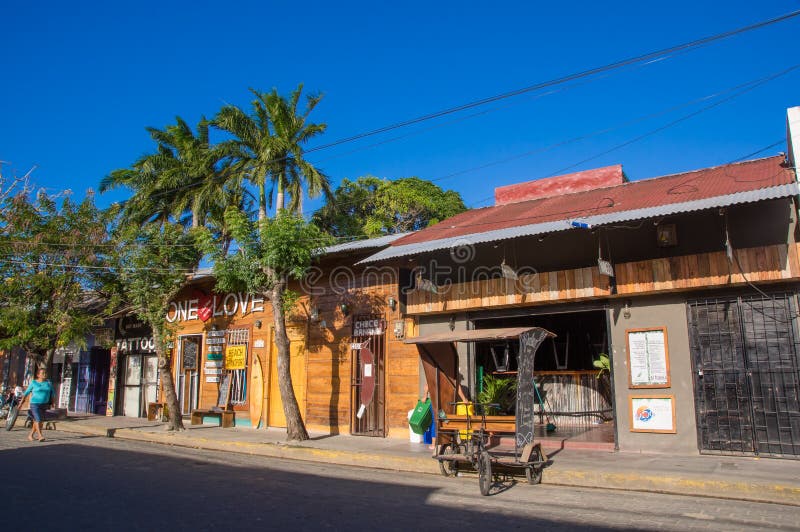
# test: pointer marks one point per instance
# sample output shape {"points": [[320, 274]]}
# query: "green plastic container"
{"points": [[422, 417]]}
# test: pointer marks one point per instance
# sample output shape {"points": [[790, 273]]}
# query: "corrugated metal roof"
{"points": [[644, 199], [370, 243]]}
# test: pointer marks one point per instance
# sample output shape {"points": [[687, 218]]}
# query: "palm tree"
{"points": [[184, 179], [268, 146]]}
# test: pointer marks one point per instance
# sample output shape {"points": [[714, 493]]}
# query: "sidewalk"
{"points": [[751, 479]]}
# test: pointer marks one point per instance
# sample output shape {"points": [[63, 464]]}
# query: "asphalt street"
{"points": [[74, 482]]}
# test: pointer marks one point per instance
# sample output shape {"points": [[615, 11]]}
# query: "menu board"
{"points": [[189, 349], [529, 342], [653, 414], [648, 358], [224, 390]]}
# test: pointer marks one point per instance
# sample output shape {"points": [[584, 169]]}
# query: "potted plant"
{"points": [[603, 364], [500, 391]]}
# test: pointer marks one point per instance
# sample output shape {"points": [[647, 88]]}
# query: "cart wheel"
{"points": [[533, 474], [485, 472], [28, 423], [449, 468]]}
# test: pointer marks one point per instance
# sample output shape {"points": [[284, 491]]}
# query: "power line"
{"points": [[553, 82], [558, 81]]}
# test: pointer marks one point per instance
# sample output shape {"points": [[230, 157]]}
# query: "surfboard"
{"points": [[256, 392]]}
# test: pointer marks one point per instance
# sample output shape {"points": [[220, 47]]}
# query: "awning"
{"points": [[474, 335]]}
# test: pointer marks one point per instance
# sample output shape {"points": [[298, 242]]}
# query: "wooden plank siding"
{"points": [[689, 272]]}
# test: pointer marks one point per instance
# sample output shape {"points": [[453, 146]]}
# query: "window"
{"points": [[239, 376]]}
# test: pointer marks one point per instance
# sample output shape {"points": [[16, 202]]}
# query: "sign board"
{"points": [[214, 355], [214, 364], [259, 343], [224, 389], [368, 327], [214, 349], [648, 358], [213, 371], [653, 414], [529, 343], [215, 341], [215, 334], [212, 378], [236, 357], [189, 352], [66, 387]]}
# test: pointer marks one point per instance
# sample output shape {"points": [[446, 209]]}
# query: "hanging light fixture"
{"points": [[507, 271]]}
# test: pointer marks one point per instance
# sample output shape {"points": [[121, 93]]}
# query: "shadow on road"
{"points": [[85, 487]]}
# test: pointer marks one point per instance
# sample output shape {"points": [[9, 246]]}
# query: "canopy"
{"points": [[474, 335]]}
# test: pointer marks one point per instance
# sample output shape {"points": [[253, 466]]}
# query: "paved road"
{"points": [[73, 482]]}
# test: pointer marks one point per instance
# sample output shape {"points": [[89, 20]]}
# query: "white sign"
{"points": [[219, 305], [212, 378], [368, 370], [647, 352], [213, 371], [214, 363], [215, 341], [63, 399], [259, 343], [214, 349], [368, 328], [215, 333], [652, 414]]}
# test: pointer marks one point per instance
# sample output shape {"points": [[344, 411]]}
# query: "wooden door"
{"points": [[297, 350]]}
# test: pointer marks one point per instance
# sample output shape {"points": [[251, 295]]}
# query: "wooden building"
{"points": [[340, 305], [688, 283]]}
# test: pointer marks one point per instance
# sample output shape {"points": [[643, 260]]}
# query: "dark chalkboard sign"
{"points": [[224, 391], [189, 350], [529, 342]]}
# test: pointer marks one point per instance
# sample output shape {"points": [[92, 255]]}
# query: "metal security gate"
{"points": [[370, 332], [747, 374]]}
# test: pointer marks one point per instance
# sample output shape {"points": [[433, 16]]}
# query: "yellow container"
{"points": [[465, 409]]}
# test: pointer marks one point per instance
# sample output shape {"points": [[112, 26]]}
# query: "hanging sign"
{"points": [[214, 364], [605, 267], [212, 378], [370, 327], [236, 357], [214, 356], [215, 341]]}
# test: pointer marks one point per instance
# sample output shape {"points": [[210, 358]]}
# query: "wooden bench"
{"points": [[494, 424], [227, 418]]}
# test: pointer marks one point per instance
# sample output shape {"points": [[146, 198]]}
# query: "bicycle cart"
{"points": [[462, 436]]}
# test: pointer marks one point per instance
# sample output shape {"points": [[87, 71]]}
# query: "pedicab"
{"points": [[461, 434]]}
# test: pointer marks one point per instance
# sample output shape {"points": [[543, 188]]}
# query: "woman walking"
{"points": [[41, 391]]}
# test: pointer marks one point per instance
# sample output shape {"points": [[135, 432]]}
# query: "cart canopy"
{"points": [[474, 335], [439, 358]]}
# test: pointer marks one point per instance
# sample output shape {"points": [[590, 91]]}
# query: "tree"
{"points": [[370, 207], [52, 263], [151, 265], [269, 148], [270, 253], [187, 175]]}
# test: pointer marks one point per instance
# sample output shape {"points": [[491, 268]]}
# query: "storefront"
{"points": [[673, 301], [137, 367]]}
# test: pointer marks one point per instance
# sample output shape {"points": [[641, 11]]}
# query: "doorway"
{"points": [[140, 384], [187, 379], [370, 332], [746, 379]]}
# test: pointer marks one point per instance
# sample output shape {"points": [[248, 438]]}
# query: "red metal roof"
{"points": [[608, 176], [677, 188]]}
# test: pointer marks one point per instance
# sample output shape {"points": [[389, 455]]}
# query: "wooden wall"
{"points": [[703, 270], [330, 356], [326, 405]]}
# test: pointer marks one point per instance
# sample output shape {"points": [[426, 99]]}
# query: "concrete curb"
{"points": [[555, 475]]}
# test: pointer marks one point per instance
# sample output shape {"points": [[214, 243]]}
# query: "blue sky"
{"points": [[81, 81]]}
